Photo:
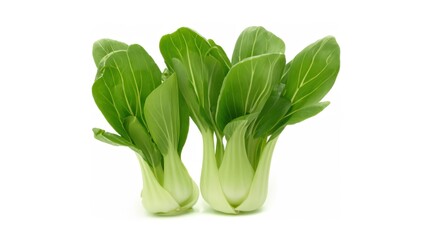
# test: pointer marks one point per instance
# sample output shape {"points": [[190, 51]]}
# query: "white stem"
{"points": [[176, 178]]}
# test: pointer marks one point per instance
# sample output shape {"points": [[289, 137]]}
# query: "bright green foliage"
{"points": [[254, 41], [247, 86], [150, 118], [247, 101]]}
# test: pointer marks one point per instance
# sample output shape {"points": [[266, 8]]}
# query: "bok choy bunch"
{"points": [[247, 101], [146, 111]]}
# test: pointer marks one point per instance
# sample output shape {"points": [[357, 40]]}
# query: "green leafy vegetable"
{"points": [[149, 117], [248, 102], [240, 107]]}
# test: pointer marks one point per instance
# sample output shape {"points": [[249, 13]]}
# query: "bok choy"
{"points": [[145, 108], [247, 101]]}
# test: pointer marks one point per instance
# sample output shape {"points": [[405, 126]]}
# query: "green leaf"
{"points": [[217, 52], [184, 123], [111, 138], [123, 83], [163, 116], [200, 69], [248, 86], [285, 73], [103, 47], [236, 123], [215, 73], [188, 94], [254, 41], [312, 73], [275, 110], [189, 48], [140, 149], [143, 141], [103, 95], [216, 76], [306, 112]]}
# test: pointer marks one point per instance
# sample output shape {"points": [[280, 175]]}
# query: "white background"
{"points": [[356, 171]]}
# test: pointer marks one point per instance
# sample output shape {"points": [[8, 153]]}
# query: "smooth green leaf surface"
{"points": [[254, 41], [247, 87], [143, 141], [189, 48], [312, 73], [275, 110], [183, 122], [216, 76], [123, 83], [285, 73], [103, 92], [162, 115], [217, 52], [103, 47], [110, 138], [200, 66], [188, 94], [306, 112]]}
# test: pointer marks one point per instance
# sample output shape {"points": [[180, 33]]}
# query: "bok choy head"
{"points": [[248, 101], [149, 117]]}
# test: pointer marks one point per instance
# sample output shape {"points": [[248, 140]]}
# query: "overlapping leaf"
{"points": [[306, 80], [306, 112], [247, 87], [254, 41], [103, 47], [162, 113], [200, 66], [123, 83], [312, 73], [124, 79]]}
